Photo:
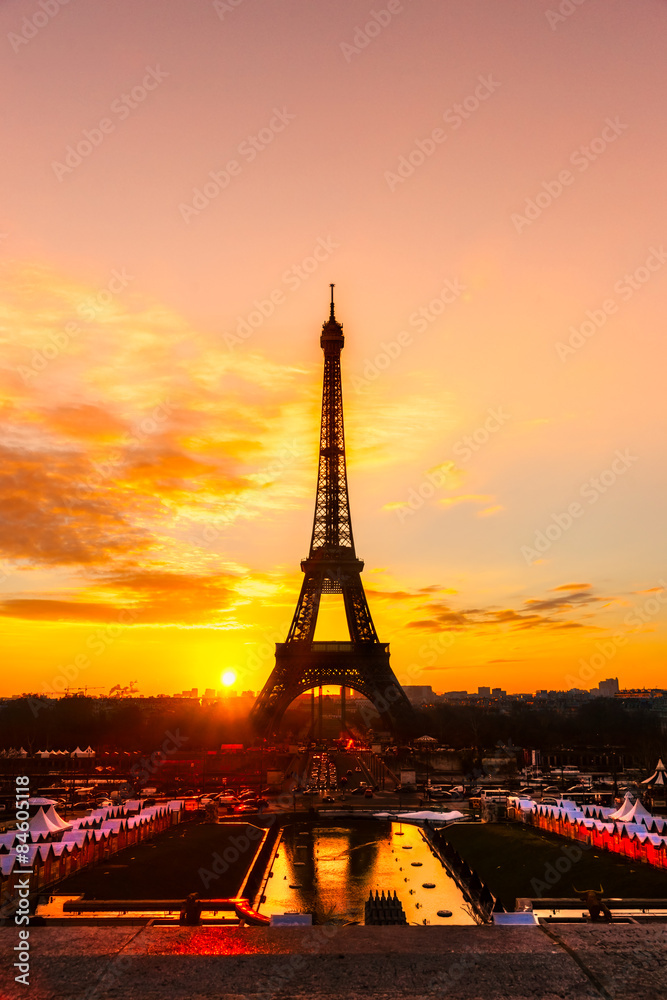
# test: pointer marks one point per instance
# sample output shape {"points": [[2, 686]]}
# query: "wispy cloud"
{"points": [[535, 613]]}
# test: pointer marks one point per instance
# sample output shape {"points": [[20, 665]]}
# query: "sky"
{"points": [[484, 183]]}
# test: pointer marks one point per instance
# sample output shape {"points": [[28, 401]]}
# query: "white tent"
{"points": [[41, 826], [420, 816], [632, 811], [638, 814], [53, 817], [625, 808], [659, 776]]}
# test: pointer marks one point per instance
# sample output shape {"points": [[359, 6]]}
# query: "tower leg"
{"points": [[343, 724], [312, 714], [319, 719]]}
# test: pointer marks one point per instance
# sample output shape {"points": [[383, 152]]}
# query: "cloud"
{"points": [[448, 502], [535, 613], [138, 597], [130, 439], [490, 511]]}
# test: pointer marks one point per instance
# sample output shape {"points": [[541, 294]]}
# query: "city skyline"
{"points": [[484, 186]]}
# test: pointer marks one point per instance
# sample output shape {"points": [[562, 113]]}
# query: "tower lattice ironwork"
{"points": [[332, 567]]}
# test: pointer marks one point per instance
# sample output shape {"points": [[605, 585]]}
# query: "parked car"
{"points": [[368, 793], [328, 798]]}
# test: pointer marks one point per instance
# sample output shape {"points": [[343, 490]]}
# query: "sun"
{"points": [[228, 677]]}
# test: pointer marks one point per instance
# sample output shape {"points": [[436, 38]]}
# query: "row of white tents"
{"points": [[12, 752]]}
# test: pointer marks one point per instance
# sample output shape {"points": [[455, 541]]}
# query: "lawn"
{"points": [[168, 867], [517, 860]]}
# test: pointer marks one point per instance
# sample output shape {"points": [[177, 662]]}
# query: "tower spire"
{"points": [[331, 314]]}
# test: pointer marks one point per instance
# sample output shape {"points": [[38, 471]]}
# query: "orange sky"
{"points": [[485, 184]]}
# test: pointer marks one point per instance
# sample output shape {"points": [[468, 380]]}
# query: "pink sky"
{"points": [[485, 185]]}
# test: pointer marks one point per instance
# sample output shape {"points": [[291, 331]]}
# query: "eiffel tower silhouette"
{"points": [[332, 567]]}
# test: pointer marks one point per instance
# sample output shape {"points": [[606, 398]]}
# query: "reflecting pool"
{"points": [[329, 867]]}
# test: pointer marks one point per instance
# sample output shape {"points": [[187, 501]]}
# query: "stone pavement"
{"points": [[141, 962]]}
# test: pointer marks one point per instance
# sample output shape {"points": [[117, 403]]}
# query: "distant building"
{"points": [[608, 688], [484, 692], [498, 693], [419, 693]]}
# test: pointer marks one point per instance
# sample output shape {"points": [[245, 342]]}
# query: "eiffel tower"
{"points": [[332, 567]]}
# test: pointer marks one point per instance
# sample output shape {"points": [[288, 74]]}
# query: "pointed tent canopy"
{"points": [[53, 817], [659, 776], [41, 825], [637, 813], [625, 808]]}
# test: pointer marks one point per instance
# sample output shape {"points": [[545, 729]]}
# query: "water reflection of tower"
{"points": [[330, 864]]}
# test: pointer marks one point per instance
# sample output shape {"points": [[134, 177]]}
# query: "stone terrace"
{"points": [[143, 962]]}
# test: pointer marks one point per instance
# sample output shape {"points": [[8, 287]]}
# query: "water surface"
{"points": [[335, 865]]}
